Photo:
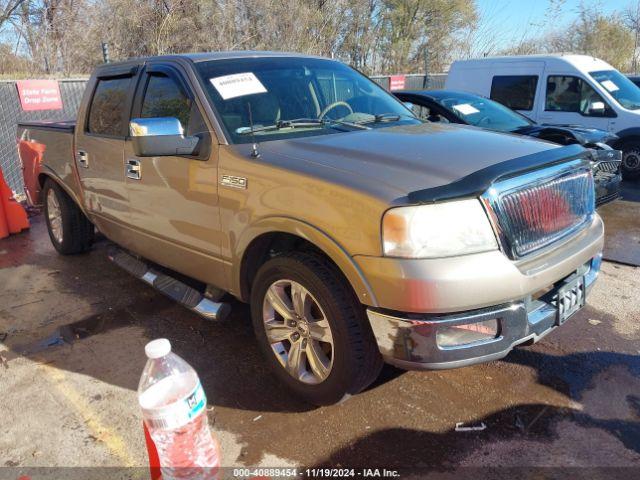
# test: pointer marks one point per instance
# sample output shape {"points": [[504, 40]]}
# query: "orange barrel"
{"points": [[14, 214], [31, 154], [4, 228]]}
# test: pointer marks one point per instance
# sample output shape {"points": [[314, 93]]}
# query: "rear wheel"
{"points": [[312, 329], [631, 160], [69, 229]]}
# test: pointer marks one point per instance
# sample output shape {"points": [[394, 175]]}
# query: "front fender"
{"points": [[312, 234], [627, 134]]}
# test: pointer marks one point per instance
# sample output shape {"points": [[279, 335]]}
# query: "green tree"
{"points": [[605, 37], [418, 31]]}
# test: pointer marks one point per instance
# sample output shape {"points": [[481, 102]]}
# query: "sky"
{"points": [[515, 18]]}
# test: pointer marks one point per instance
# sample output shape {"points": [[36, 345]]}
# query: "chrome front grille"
{"points": [[534, 211], [612, 166]]}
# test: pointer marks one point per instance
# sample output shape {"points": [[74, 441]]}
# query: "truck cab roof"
{"points": [[205, 57]]}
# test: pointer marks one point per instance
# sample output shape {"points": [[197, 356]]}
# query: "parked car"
{"points": [[298, 185], [470, 109], [563, 90]]}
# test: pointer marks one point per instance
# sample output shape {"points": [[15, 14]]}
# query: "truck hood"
{"points": [[401, 159]]}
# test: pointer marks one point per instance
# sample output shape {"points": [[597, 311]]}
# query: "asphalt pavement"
{"points": [[72, 336]]}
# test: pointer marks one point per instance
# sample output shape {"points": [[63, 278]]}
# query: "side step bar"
{"points": [[172, 288]]}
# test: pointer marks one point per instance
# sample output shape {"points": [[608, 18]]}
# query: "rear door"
{"points": [[174, 199], [99, 148], [518, 86]]}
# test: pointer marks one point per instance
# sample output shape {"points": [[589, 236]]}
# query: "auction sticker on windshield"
{"points": [[609, 85], [237, 85], [466, 109]]}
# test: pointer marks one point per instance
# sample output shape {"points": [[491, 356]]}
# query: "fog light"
{"points": [[457, 335]]}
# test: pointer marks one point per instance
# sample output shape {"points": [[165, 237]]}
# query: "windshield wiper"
{"points": [[298, 123]]}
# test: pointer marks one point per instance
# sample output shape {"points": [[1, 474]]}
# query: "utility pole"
{"points": [[425, 82], [105, 52]]}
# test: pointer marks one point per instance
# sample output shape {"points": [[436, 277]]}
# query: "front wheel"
{"points": [[631, 160], [312, 329]]}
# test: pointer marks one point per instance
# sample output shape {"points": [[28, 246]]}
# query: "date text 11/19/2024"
{"points": [[315, 473]]}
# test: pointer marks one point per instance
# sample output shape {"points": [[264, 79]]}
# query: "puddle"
{"points": [[622, 232], [72, 332]]}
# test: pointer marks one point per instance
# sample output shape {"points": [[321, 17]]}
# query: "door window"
{"points": [[108, 107], [164, 98], [567, 93], [515, 91]]}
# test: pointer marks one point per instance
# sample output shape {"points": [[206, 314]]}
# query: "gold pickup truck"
{"points": [[357, 232]]}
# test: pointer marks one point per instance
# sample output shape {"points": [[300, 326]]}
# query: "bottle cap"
{"points": [[157, 348]]}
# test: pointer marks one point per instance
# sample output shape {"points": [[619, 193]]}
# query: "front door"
{"points": [[174, 199], [570, 100], [99, 149]]}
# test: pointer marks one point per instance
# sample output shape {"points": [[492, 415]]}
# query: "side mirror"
{"points": [[161, 137]]}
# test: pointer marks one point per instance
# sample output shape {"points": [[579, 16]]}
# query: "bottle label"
{"points": [[179, 413]]}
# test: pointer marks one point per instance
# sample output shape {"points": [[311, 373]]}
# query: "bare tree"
{"points": [[64, 36], [8, 9], [591, 33], [631, 19]]}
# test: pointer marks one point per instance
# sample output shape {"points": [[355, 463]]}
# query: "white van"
{"points": [[560, 89]]}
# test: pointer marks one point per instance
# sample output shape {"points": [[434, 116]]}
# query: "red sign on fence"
{"points": [[396, 82], [39, 95]]}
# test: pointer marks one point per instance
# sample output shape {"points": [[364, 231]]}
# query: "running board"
{"points": [[169, 286]]}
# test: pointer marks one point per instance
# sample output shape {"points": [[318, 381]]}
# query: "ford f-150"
{"points": [[357, 232]]}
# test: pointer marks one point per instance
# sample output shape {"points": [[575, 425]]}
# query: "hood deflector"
{"points": [[476, 183]]}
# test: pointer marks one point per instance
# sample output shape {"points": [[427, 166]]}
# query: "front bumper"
{"points": [[606, 175], [409, 341], [607, 187], [470, 282]]}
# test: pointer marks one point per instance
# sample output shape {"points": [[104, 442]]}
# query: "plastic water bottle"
{"points": [[174, 410]]}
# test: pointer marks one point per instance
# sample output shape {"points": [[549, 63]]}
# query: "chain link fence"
{"points": [[11, 113], [72, 90]]}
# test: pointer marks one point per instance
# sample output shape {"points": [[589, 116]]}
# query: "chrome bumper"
{"points": [[606, 174], [410, 341]]}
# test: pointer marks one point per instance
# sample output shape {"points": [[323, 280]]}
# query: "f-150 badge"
{"points": [[233, 182]]}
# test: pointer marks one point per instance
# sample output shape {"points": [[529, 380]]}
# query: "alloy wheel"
{"points": [[54, 214], [298, 331]]}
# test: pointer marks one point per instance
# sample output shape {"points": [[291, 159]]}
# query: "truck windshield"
{"points": [[482, 112], [623, 90], [273, 98]]}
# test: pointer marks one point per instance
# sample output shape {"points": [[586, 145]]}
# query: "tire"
{"points": [[630, 160], [348, 359], [69, 229]]}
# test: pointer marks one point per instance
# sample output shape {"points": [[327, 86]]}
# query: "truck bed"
{"points": [[46, 147]]}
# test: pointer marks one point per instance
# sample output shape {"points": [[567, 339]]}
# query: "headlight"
{"points": [[438, 230]]}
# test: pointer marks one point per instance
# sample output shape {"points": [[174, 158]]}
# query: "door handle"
{"points": [[133, 169], [83, 158]]}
